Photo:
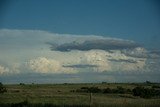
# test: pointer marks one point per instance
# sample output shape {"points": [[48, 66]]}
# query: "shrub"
{"points": [[107, 90], [120, 90], [137, 91], [145, 92], [94, 90], [89, 90], [21, 84], [155, 86], [84, 88], [2, 88]]}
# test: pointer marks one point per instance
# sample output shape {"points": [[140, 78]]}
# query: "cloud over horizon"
{"points": [[35, 51]]}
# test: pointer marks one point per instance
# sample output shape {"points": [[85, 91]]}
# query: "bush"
{"points": [[2, 88], [94, 90], [107, 90], [155, 86], [145, 92], [89, 90], [120, 90], [138, 91], [84, 88], [21, 84]]}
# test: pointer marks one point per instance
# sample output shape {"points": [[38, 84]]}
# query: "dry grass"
{"points": [[61, 94]]}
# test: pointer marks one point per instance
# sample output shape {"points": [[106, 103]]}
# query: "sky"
{"points": [[56, 41]]}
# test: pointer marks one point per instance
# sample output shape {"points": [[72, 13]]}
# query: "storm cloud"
{"points": [[44, 53], [102, 44], [123, 60], [80, 66]]}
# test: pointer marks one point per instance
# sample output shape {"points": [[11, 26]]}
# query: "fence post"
{"points": [[90, 99]]}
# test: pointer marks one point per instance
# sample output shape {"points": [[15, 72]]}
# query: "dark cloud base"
{"points": [[103, 44], [80, 66], [122, 60]]}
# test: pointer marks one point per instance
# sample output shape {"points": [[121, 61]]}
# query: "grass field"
{"points": [[64, 95]]}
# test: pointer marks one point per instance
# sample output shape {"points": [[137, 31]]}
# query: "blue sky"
{"points": [[79, 41], [128, 19]]}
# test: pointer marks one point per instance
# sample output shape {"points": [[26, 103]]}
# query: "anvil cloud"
{"points": [[42, 52]]}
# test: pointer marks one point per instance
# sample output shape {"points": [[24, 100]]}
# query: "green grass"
{"points": [[60, 95]]}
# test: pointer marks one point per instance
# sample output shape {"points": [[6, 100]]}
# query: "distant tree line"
{"points": [[119, 90], [137, 91]]}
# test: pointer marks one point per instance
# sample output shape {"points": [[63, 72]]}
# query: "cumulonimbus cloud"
{"points": [[45, 52]]}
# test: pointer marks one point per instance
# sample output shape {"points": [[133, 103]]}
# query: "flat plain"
{"points": [[66, 95]]}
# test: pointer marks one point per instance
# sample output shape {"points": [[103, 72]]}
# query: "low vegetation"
{"points": [[2, 88], [79, 95], [146, 92], [137, 91]]}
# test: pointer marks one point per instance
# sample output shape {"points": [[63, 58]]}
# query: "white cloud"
{"points": [[98, 57], [44, 65], [20, 46], [3, 70], [104, 60], [16, 67]]}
